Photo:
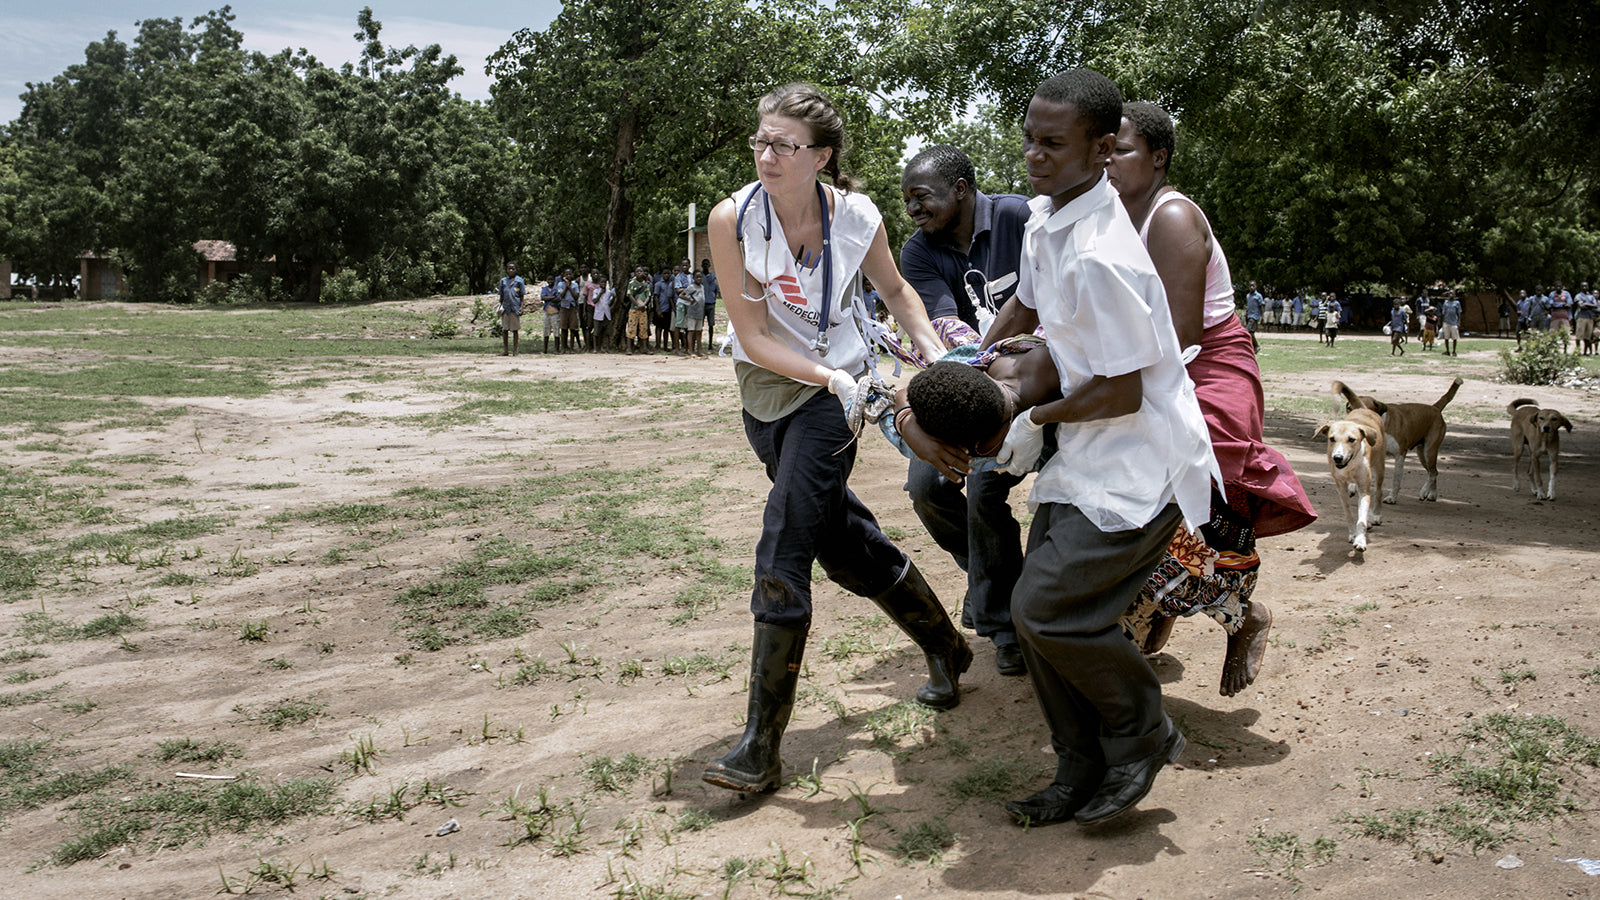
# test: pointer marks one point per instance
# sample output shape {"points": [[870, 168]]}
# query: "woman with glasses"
{"points": [[799, 346]]}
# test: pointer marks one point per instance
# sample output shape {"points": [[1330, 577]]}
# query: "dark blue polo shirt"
{"points": [[938, 270]]}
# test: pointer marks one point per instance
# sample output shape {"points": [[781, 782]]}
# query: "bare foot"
{"points": [[1160, 630], [1246, 647]]}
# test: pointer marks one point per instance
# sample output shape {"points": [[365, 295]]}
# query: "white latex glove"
{"points": [[842, 384], [1023, 444]]}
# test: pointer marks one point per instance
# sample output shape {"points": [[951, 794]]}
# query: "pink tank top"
{"points": [[1219, 281]]}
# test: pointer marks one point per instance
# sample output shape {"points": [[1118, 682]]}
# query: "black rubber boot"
{"points": [[753, 765], [912, 605]]}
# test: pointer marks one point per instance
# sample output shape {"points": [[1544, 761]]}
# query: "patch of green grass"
{"points": [[179, 579], [926, 841], [23, 655], [175, 480], [606, 774], [23, 676], [500, 397], [182, 528], [177, 814], [895, 723], [344, 514], [27, 781], [19, 572], [189, 750], [83, 467], [39, 625], [272, 486], [456, 606], [280, 714], [1288, 855], [696, 664], [695, 820], [28, 698], [989, 781], [1512, 770]]}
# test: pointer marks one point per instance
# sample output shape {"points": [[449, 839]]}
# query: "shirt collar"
{"points": [[1077, 208], [982, 215]]}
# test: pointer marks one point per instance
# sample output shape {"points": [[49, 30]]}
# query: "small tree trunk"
{"points": [[619, 212]]}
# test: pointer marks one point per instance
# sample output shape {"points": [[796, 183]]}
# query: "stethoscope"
{"points": [[820, 345]]}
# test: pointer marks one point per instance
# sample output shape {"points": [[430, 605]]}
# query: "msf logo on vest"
{"points": [[786, 288]]}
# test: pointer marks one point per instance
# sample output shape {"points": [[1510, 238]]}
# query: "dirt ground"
{"points": [[1377, 663]]}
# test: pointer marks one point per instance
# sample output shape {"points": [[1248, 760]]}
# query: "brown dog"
{"points": [[1539, 432], [1407, 426], [1355, 460]]}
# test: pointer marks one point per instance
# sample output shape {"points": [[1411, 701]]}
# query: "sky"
{"points": [[41, 38]]}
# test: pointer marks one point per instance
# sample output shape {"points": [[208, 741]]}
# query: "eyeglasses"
{"points": [[782, 148]]}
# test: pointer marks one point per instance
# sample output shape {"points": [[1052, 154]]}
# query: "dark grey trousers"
{"points": [[1100, 697]]}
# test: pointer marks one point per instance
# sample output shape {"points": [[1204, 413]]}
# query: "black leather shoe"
{"points": [[1008, 659], [1125, 785], [1056, 803]]}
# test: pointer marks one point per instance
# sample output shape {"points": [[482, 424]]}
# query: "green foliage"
{"points": [[635, 94], [27, 782], [1511, 770], [282, 713], [1542, 359], [1328, 143], [926, 841], [345, 287], [189, 750], [178, 814]]}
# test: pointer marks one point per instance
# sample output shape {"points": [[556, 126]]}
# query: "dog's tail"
{"points": [[1449, 395], [1520, 401], [1343, 390]]}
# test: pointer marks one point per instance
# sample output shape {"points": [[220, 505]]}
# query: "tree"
{"points": [[1357, 141], [620, 100]]}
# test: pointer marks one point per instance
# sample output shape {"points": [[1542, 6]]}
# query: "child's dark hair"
{"points": [[1096, 97], [957, 403]]}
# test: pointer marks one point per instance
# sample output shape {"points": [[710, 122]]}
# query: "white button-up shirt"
{"points": [[1105, 313]]}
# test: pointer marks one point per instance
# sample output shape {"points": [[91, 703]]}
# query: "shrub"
{"points": [[215, 293], [443, 326], [345, 287], [1540, 360], [254, 290]]}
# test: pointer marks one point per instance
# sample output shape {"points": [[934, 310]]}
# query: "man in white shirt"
{"points": [[1134, 460]]}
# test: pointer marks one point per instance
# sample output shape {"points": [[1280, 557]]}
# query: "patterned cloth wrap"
{"points": [[1213, 572]]}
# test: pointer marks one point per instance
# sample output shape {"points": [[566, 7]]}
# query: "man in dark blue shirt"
{"points": [[962, 261]]}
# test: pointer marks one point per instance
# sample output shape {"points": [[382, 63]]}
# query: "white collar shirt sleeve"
{"points": [[1104, 312]]}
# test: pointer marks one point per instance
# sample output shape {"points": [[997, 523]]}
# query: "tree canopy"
{"points": [[1331, 144]]}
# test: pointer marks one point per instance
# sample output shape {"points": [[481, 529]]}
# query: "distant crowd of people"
{"points": [[663, 312], [1556, 310]]}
